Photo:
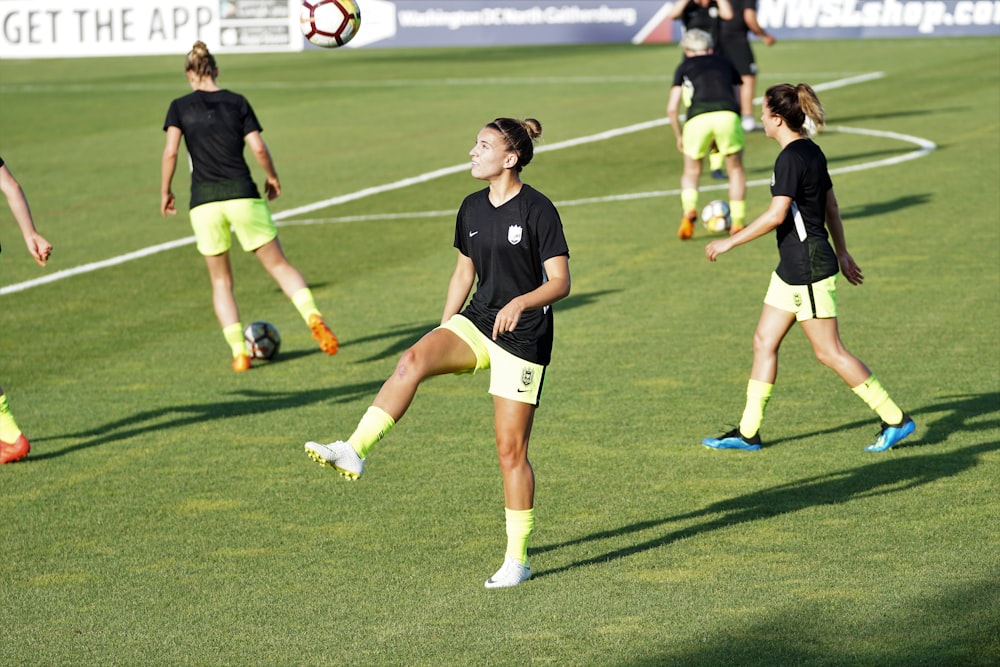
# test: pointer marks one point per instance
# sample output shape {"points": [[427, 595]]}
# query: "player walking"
{"points": [[804, 286]]}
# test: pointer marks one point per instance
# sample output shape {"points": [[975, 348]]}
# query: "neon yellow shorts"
{"points": [[510, 376], [724, 128], [817, 300], [249, 218]]}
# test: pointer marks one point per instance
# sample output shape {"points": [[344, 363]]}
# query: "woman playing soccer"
{"points": [[216, 124], [13, 445], [711, 84], [509, 237], [803, 287]]}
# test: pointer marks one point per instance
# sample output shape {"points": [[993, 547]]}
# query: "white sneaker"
{"points": [[510, 574], [337, 455], [749, 124]]}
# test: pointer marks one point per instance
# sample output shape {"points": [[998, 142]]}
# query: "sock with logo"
{"points": [[877, 398], [758, 394], [374, 424]]}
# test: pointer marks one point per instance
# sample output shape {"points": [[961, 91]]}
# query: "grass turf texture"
{"points": [[167, 514]]}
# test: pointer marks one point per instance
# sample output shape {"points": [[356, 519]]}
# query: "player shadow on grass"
{"points": [[880, 477], [246, 403], [875, 209]]}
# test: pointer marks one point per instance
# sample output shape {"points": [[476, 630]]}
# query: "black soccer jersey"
{"points": [[508, 245], [694, 16], [214, 126], [806, 256], [736, 29], [711, 79]]}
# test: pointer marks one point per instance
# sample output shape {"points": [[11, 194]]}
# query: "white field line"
{"points": [[924, 145]]}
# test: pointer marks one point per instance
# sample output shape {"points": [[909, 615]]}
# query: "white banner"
{"points": [[80, 28]]}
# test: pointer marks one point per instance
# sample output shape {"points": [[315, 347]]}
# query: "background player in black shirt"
{"points": [[711, 83], [803, 287], [734, 45], [216, 124], [510, 237]]}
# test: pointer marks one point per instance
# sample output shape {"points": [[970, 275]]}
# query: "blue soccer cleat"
{"points": [[734, 440], [891, 435]]}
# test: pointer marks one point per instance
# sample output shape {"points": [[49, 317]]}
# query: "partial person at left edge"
{"points": [[14, 446]]}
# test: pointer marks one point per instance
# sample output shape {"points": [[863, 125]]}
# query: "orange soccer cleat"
{"points": [[327, 341], [14, 451], [686, 230], [241, 363]]}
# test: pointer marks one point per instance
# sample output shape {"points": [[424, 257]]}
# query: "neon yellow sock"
{"points": [[758, 394], [520, 524], [234, 336], [373, 426], [738, 212], [689, 199], [877, 398], [305, 303], [9, 432], [716, 161]]}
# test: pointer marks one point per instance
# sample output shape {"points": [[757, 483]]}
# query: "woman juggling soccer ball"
{"points": [[509, 237], [216, 125], [806, 219]]}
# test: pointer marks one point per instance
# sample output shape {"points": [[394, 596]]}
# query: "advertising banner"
{"points": [[78, 28], [81, 28]]}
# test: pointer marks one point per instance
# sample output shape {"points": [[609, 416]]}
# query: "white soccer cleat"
{"points": [[337, 455], [510, 574]]}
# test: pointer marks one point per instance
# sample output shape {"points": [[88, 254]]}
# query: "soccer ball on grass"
{"points": [[263, 340], [329, 23], [715, 216]]}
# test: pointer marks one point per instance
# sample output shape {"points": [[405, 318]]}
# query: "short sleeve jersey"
{"points": [[508, 245], [711, 79], [214, 125], [736, 29], [694, 16], [804, 248]]}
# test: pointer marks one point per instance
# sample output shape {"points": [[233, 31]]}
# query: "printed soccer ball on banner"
{"points": [[329, 23], [263, 340], [715, 216]]}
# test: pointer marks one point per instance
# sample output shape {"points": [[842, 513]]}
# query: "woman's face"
{"points": [[767, 119], [490, 155]]}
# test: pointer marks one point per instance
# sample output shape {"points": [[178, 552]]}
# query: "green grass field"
{"points": [[168, 516]]}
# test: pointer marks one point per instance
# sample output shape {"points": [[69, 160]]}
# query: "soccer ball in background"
{"points": [[715, 216], [329, 23], [263, 340]]}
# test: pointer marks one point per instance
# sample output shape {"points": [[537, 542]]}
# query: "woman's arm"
{"points": [[272, 187], [555, 288], [459, 287], [768, 220], [167, 168], [848, 267]]}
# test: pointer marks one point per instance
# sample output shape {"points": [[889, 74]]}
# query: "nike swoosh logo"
{"points": [[471, 234], [522, 391]]}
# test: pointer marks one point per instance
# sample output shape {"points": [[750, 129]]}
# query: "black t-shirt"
{"points": [[806, 256], [711, 79], [735, 30], [702, 18], [214, 126], [508, 245]]}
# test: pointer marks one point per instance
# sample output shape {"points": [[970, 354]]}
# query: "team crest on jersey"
{"points": [[797, 298], [514, 234], [527, 376]]}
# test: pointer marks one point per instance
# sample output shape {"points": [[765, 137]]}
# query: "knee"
{"points": [[512, 452], [409, 367]]}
